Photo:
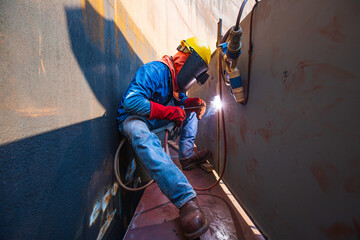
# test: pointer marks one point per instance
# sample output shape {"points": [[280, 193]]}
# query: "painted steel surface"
{"points": [[293, 152], [64, 68]]}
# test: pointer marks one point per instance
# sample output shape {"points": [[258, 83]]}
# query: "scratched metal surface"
{"points": [[293, 150], [157, 218], [64, 66]]}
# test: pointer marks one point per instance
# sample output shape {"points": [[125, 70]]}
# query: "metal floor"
{"points": [[156, 218]]}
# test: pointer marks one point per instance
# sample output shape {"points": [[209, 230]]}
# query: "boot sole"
{"points": [[193, 165], [197, 233]]}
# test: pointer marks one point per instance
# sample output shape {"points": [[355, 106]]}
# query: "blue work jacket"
{"points": [[152, 82]]}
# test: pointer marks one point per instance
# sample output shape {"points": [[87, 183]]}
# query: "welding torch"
{"points": [[215, 102], [187, 108]]}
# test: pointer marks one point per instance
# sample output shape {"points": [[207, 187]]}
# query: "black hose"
{"points": [[250, 54], [236, 27], [237, 24]]}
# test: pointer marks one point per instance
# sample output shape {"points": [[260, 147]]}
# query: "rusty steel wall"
{"points": [[64, 67], [293, 149]]}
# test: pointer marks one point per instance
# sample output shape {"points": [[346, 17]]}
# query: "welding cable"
{"points": [[250, 54], [239, 15], [224, 130], [117, 171], [237, 24]]}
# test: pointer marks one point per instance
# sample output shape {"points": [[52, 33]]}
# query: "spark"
{"points": [[217, 103]]}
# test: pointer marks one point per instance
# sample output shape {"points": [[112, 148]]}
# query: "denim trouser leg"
{"points": [[187, 137], [159, 165]]}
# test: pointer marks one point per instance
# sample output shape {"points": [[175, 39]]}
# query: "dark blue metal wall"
{"points": [[64, 67]]}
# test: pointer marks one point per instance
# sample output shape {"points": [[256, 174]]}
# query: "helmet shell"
{"points": [[199, 46]]}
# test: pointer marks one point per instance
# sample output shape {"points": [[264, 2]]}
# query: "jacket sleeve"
{"points": [[140, 90], [182, 97]]}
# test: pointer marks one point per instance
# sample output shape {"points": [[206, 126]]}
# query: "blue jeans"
{"points": [[157, 163]]}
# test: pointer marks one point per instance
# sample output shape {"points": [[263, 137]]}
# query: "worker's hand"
{"points": [[172, 113], [196, 105]]}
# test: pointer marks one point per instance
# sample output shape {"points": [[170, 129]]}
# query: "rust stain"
{"points": [[233, 144], [106, 200], [297, 79], [103, 229], [316, 88], [1, 38], [265, 133], [243, 128], [114, 189], [95, 213], [43, 67], [337, 230], [332, 105], [38, 112], [352, 184], [305, 137], [333, 31], [326, 174], [320, 72], [326, 72], [251, 166]]}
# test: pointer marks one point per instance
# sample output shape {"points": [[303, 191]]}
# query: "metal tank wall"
{"points": [[293, 150], [64, 67]]}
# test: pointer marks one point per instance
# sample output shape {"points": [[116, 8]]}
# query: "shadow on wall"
{"points": [[51, 181]]}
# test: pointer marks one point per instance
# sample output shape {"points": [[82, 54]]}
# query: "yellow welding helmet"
{"points": [[196, 66], [199, 46]]}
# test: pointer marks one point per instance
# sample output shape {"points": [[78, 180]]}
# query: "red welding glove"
{"points": [[176, 114], [196, 105]]}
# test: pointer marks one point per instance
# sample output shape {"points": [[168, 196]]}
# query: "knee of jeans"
{"points": [[135, 129], [191, 118]]}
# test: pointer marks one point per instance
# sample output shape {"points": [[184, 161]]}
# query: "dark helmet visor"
{"points": [[193, 70]]}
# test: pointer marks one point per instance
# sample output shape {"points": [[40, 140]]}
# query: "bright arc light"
{"points": [[216, 102]]}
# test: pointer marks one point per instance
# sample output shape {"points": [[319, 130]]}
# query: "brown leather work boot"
{"points": [[198, 158], [193, 220]]}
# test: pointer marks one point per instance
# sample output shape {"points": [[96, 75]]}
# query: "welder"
{"points": [[155, 96]]}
